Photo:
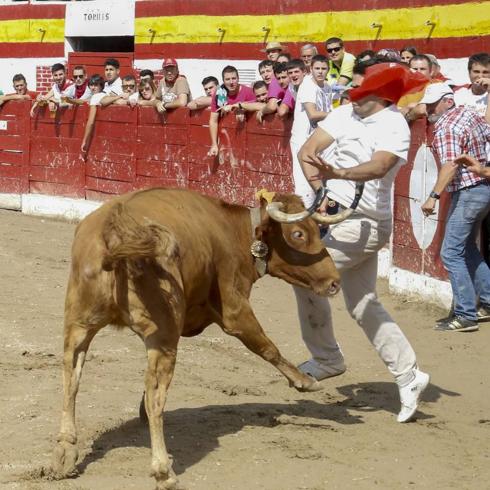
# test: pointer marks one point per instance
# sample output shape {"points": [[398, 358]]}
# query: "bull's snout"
{"points": [[334, 288], [329, 288]]}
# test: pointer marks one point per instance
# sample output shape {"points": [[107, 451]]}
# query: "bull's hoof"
{"points": [[64, 460], [307, 384]]}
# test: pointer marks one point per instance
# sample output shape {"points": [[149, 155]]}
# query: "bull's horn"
{"points": [[274, 211], [331, 219]]}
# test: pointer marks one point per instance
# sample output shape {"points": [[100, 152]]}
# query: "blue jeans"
{"points": [[468, 272]]}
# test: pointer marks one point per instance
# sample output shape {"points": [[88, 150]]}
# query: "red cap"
{"points": [[169, 62], [389, 81]]}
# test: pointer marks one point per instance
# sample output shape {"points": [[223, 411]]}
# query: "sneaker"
{"points": [[483, 314], [410, 396], [322, 370], [457, 324], [447, 318]]}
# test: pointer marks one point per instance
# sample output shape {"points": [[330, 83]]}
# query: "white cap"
{"points": [[434, 92]]}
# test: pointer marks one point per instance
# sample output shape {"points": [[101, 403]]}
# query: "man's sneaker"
{"points": [[483, 314], [457, 324], [322, 370], [410, 396], [447, 318]]}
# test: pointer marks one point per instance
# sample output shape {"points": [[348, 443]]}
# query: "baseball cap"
{"points": [[272, 45], [169, 62], [435, 92], [389, 81]]}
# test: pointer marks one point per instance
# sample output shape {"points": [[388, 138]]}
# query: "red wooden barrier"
{"points": [[14, 147]]}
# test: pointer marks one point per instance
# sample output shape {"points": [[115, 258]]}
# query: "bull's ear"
{"points": [[261, 230]]}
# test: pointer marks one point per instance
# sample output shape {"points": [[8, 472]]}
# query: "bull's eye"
{"points": [[298, 235]]}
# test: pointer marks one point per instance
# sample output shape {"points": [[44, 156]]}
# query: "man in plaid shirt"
{"points": [[458, 131]]}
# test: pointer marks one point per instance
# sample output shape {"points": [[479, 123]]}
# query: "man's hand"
{"points": [[161, 107], [484, 82], [213, 151], [260, 116], [428, 207], [227, 108], [1, 101], [471, 163]]}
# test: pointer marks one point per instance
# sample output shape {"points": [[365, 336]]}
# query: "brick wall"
{"points": [[43, 79]]}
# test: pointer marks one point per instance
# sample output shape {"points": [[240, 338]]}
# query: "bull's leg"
{"points": [[76, 342], [245, 326]]}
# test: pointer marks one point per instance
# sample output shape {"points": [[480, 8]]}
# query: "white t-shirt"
{"points": [[356, 141], [309, 91], [96, 98], [70, 92], [115, 88], [465, 97], [57, 92]]}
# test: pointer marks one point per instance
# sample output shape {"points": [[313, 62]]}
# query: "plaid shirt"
{"points": [[461, 130]]}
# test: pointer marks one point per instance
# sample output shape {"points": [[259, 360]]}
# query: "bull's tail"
{"points": [[127, 239]]}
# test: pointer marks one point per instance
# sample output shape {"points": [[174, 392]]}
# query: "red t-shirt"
{"points": [[32, 95], [245, 94]]}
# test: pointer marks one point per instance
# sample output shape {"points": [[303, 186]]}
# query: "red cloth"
{"points": [[80, 90], [389, 81]]}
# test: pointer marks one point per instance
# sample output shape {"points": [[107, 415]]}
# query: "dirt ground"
{"points": [[231, 420]]}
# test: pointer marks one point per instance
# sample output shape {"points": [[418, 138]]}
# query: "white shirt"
{"points": [[309, 91], [465, 97], [356, 141], [70, 92], [115, 88]]}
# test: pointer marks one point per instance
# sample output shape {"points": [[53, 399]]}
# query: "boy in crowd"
{"points": [[129, 95], [147, 75], [173, 90], [209, 84], [113, 82], [266, 71], [21, 91], [79, 90], [231, 93], [260, 90]]}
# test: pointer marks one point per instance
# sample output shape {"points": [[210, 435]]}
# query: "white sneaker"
{"points": [[321, 370], [410, 395]]}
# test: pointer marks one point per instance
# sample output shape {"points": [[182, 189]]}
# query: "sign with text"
{"points": [[100, 18]]}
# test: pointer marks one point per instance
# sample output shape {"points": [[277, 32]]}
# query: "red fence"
{"points": [[134, 148]]}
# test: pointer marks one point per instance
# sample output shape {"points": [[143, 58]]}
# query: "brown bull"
{"points": [[168, 263]]}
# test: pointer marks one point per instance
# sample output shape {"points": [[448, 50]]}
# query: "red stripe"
{"points": [[15, 12], [460, 47], [32, 50], [156, 8]]}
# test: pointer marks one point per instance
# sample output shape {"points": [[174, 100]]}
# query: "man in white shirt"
{"points": [[313, 103], [476, 95], [113, 83], [371, 143]]}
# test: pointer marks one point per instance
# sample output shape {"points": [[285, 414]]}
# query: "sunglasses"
{"points": [[334, 50], [129, 86], [78, 76]]}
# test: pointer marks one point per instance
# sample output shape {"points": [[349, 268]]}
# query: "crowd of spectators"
{"points": [[278, 90]]}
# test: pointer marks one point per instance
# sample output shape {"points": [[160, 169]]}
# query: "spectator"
{"points": [[128, 97], [147, 75], [273, 50], [367, 54], [96, 86], [266, 71], [147, 92], [173, 90], [53, 97], [21, 91], [230, 93], [79, 90], [113, 83], [436, 69], [278, 94], [422, 64], [283, 58], [307, 52], [260, 90], [476, 95], [341, 63], [407, 53], [209, 84], [388, 55], [459, 130]]}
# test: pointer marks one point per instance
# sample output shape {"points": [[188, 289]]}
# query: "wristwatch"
{"points": [[434, 195]]}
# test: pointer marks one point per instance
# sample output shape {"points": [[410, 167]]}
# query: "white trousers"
{"points": [[353, 245], [301, 186]]}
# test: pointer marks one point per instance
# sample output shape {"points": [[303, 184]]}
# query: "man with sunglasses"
{"points": [[79, 90], [129, 95], [340, 62]]}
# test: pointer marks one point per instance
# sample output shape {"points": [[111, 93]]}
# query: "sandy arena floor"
{"points": [[231, 420]]}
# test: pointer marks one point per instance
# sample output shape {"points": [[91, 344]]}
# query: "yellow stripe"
{"points": [[468, 19], [32, 31]]}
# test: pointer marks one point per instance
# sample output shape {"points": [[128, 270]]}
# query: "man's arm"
{"points": [[180, 101], [88, 128], [314, 115], [111, 99], [343, 80], [213, 131], [444, 177], [199, 103], [5, 98], [283, 110], [473, 165]]}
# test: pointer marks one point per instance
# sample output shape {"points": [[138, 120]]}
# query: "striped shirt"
{"points": [[461, 130]]}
